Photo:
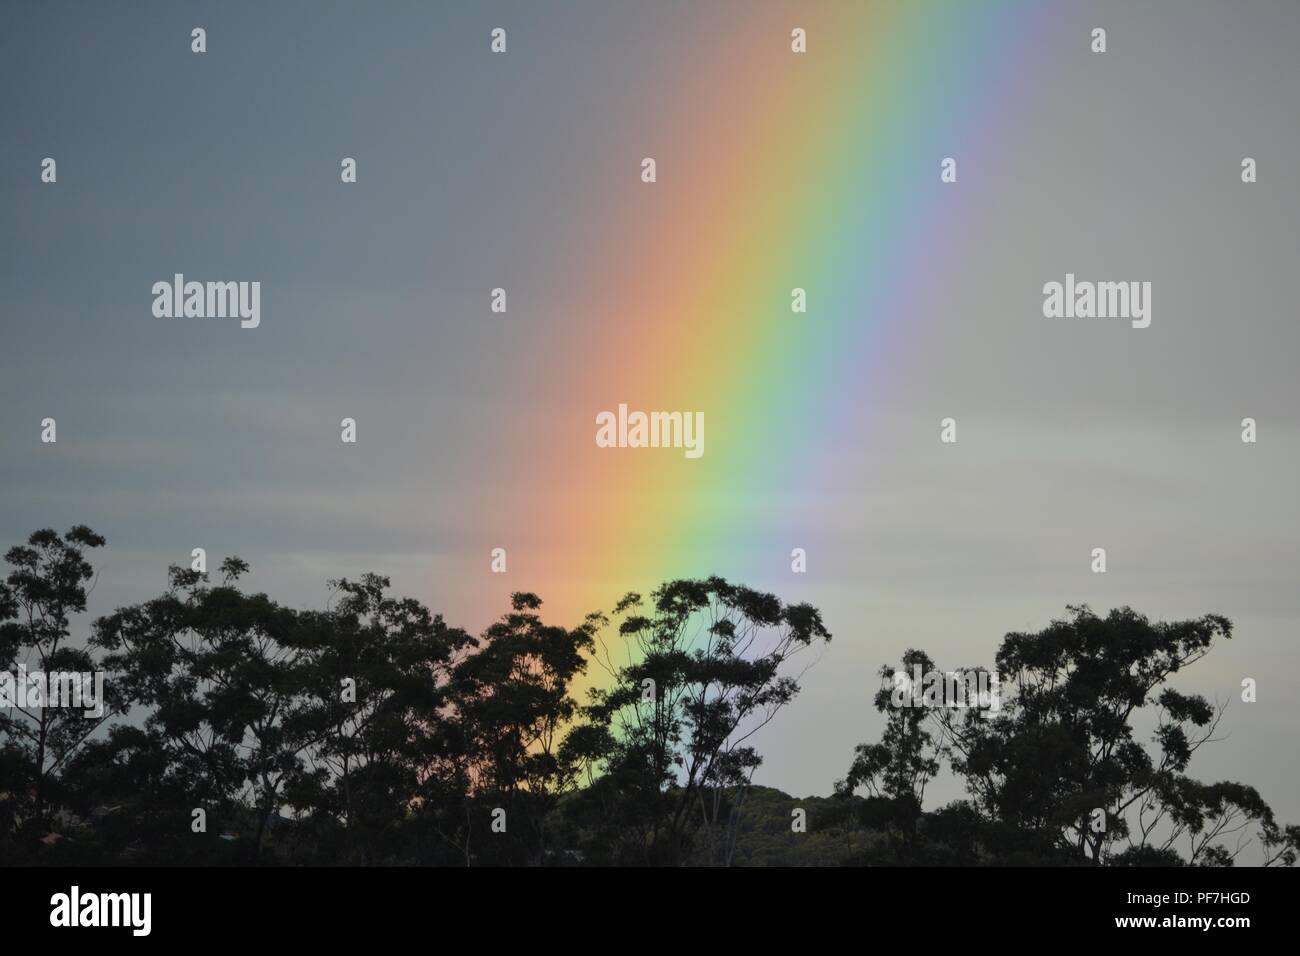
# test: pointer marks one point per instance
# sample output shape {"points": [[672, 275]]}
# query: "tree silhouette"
{"points": [[512, 706], [377, 670], [47, 584], [670, 738], [896, 770], [372, 732], [221, 671], [1059, 777]]}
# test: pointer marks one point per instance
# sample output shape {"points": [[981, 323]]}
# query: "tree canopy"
{"points": [[235, 729]]}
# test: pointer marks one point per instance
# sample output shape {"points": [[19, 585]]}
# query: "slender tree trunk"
{"points": [[39, 810]]}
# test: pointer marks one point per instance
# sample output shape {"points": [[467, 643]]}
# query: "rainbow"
{"points": [[776, 170]]}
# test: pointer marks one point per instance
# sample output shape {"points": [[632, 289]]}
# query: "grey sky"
{"points": [[1073, 434]]}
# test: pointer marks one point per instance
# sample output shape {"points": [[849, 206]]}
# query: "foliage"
{"points": [[238, 730]]}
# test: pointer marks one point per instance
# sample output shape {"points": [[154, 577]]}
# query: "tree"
{"points": [[1061, 762], [219, 668], [702, 674], [376, 671], [1057, 775], [512, 708], [896, 770], [45, 586]]}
